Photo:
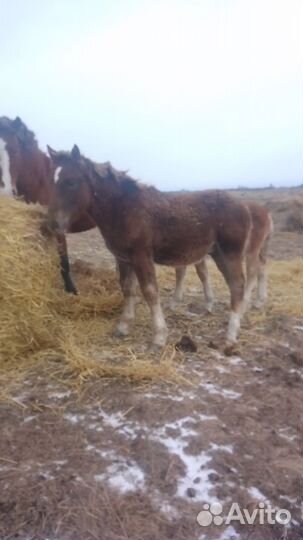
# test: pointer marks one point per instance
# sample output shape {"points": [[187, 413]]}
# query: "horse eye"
{"points": [[70, 183]]}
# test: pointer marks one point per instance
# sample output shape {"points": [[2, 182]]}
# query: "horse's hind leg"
{"points": [[202, 271], [178, 292], [230, 265], [262, 287], [262, 277], [252, 271], [64, 264], [128, 286], [145, 272]]}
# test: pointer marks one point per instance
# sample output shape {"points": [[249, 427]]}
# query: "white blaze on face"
{"points": [[5, 168], [57, 174]]}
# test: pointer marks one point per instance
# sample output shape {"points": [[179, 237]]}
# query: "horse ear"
{"points": [[75, 153], [17, 123], [51, 152], [20, 129], [112, 173]]}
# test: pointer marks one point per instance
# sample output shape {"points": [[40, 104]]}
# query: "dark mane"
{"points": [[5, 122], [28, 138], [122, 179], [25, 136]]}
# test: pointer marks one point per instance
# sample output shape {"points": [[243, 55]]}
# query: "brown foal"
{"points": [[142, 226]]}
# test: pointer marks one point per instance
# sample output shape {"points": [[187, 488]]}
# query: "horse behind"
{"points": [[142, 226], [27, 172], [255, 260]]}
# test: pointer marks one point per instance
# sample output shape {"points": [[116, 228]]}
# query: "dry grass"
{"points": [[39, 323]]}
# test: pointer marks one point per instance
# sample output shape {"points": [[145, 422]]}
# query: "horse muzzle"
{"points": [[58, 222]]}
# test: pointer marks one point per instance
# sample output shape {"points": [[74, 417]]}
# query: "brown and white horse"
{"points": [[142, 226], [256, 255], [25, 171]]}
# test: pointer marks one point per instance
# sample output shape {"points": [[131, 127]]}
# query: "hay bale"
{"points": [[29, 271]]}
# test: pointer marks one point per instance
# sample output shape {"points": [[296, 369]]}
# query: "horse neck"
{"points": [[105, 195], [34, 176]]}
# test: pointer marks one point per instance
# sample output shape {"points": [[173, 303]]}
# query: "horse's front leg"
{"points": [[128, 286], [202, 271], [64, 264], [145, 272], [178, 292]]}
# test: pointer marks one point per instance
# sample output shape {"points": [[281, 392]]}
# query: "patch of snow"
{"points": [[118, 422], [60, 462], [123, 476], [127, 476], [46, 475], [229, 534], [222, 369], [256, 493], [205, 417], [59, 395], [194, 464], [296, 371], [74, 418], [112, 420], [231, 394], [286, 435], [107, 454], [28, 419], [298, 328], [223, 447], [289, 499], [164, 506], [172, 397], [95, 427], [224, 392], [218, 355], [185, 431], [235, 360]]}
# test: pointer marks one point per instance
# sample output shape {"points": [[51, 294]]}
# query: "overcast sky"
{"points": [[185, 93]]}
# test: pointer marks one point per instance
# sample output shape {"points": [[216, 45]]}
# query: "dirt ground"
{"points": [[120, 461]]}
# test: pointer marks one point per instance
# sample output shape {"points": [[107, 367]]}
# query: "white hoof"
{"points": [[259, 303], [122, 329], [174, 303], [209, 307]]}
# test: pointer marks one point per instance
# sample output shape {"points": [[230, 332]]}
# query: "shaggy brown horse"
{"points": [[142, 226], [256, 254], [25, 171]]}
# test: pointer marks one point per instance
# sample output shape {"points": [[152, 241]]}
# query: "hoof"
{"points": [[118, 334], [259, 304], [155, 348], [174, 303], [121, 331], [71, 289], [230, 349], [212, 345]]}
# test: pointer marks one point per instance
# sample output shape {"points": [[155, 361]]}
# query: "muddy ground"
{"points": [[119, 461]]}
